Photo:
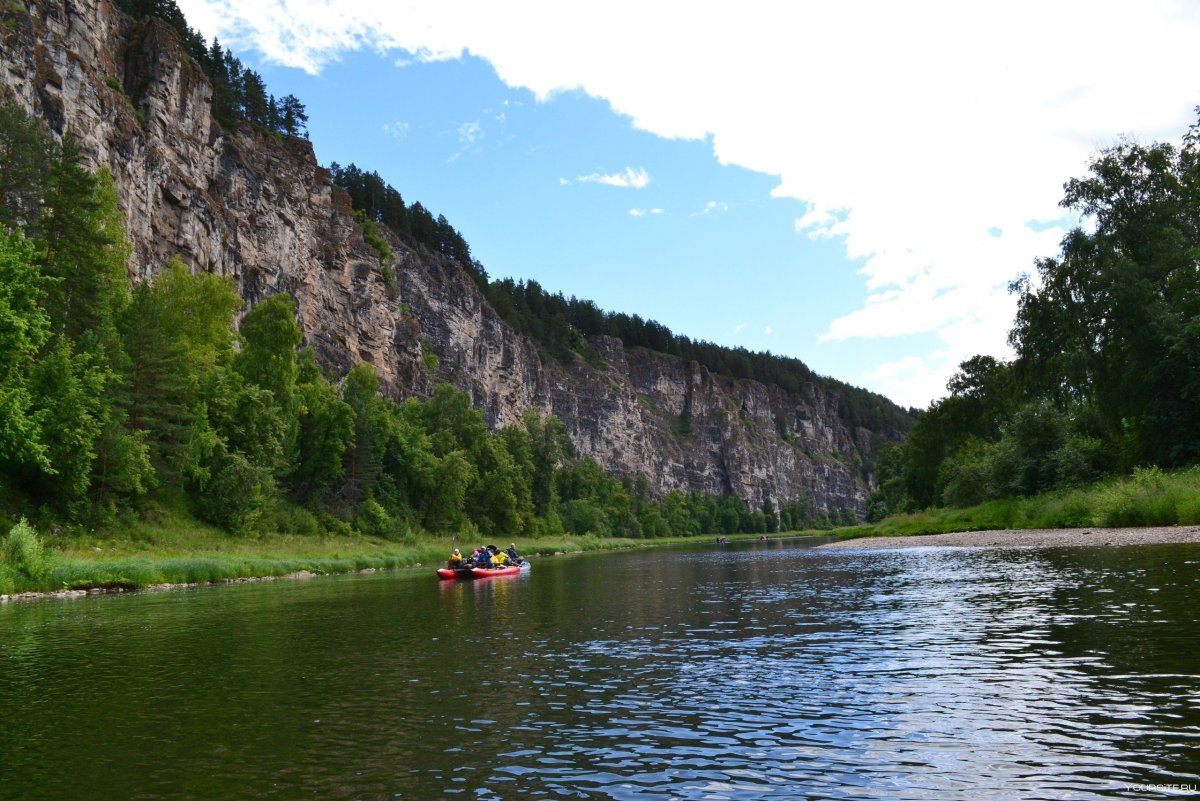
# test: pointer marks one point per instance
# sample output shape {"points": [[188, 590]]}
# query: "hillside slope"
{"points": [[260, 208]]}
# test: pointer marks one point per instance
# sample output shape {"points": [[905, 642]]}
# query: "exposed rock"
{"points": [[258, 207]]}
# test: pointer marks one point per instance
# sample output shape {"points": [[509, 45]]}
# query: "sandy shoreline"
{"points": [[1034, 538]]}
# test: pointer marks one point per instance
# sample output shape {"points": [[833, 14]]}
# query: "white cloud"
{"points": [[469, 133], [397, 130], [644, 212], [911, 130], [739, 328], [770, 331], [713, 207], [629, 178]]}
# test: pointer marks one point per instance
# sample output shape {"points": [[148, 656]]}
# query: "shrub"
{"points": [[24, 553], [1141, 501], [372, 518], [584, 517], [428, 356]]}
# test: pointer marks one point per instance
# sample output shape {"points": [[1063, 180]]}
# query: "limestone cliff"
{"points": [[259, 207]]}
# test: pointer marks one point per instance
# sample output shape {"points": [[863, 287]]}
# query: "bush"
{"points": [[1141, 501], [236, 495], [966, 477], [287, 518], [372, 519], [1188, 510], [584, 517], [24, 553], [334, 525]]}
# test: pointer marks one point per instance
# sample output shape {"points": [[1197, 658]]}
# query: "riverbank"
{"points": [[193, 556], [1032, 538]]}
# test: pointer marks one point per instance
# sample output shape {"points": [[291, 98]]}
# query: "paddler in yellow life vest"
{"points": [[499, 558], [455, 560]]}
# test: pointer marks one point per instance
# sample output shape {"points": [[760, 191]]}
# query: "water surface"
{"points": [[771, 671]]}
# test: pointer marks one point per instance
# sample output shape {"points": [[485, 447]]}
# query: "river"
{"points": [[756, 671]]}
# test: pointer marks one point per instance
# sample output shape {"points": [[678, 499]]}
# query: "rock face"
{"points": [[258, 207]]}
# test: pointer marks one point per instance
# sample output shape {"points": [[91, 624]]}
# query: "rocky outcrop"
{"points": [[259, 207]]}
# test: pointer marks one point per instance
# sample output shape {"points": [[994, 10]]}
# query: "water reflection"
{"points": [[764, 671]]}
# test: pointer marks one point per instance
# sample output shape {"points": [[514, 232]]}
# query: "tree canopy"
{"points": [[1106, 376]]}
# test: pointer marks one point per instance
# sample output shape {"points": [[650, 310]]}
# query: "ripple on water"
{"points": [[772, 673], [944, 675]]}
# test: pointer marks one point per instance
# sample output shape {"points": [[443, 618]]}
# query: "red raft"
{"points": [[481, 572]]}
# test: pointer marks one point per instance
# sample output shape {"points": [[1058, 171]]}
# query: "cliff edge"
{"points": [[257, 206]]}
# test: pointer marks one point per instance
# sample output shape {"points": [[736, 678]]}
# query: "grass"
{"points": [[176, 549], [173, 548], [1150, 497]]}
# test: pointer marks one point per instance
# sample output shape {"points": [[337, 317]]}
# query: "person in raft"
{"points": [[455, 560], [512, 553], [499, 557]]}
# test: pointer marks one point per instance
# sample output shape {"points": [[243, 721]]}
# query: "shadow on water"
{"points": [[763, 670]]}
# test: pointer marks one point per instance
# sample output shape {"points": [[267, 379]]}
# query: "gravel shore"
{"points": [[1034, 538]]}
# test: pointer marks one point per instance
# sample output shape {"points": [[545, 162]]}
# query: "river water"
{"points": [[763, 671]]}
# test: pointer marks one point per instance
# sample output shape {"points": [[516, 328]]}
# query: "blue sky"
{"points": [[852, 185]]}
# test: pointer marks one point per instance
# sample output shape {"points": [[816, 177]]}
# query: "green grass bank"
{"points": [[1150, 497], [178, 550]]}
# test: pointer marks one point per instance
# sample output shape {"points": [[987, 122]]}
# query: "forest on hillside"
{"points": [[1106, 376], [119, 399], [559, 325]]}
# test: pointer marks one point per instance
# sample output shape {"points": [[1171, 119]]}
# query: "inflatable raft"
{"points": [[481, 572]]}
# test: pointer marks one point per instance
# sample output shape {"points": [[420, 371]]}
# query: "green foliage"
{"points": [[197, 311], [83, 246], [289, 518], [267, 359], [428, 355], [563, 325], [1108, 354], [24, 328], [1144, 500], [1151, 497], [238, 92], [158, 387], [684, 426], [118, 398], [68, 390], [1112, 320], [376, 203], [373, 236], [324, 431], [25, 156], [235, 493], [24, 553]]}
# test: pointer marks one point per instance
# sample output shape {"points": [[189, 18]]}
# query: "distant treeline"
{"points": [[239, 93], [379, 203], [558, 324], [119, 400], [562, 325]]}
